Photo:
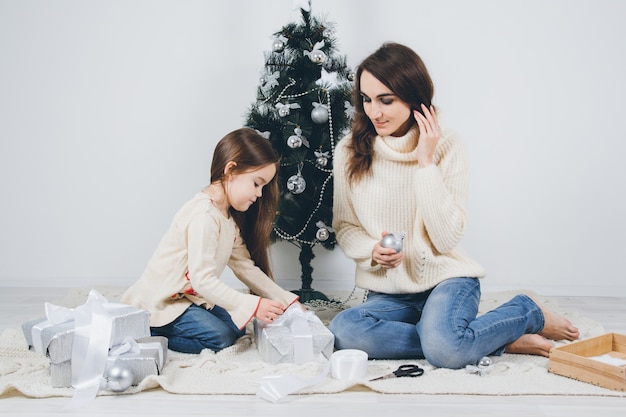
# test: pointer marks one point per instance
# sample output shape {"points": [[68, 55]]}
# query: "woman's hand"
{"points": [[386, 257], [269, 310], [430, 133]]}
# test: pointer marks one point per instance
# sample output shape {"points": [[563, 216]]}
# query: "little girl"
{"points": [[229, 224]]}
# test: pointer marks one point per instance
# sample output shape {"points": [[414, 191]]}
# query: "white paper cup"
{"points": [[348, 364]]}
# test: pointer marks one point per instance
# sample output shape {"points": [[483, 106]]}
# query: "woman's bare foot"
{"points": [[557, 327], [530, 344]]}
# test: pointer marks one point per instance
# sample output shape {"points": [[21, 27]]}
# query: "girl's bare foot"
{"points": [[557, 327], [530, 344]]}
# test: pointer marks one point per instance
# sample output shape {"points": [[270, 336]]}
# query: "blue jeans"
{"points": [[439, 325], [198, 328]]}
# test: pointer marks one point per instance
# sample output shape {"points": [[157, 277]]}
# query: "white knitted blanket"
{"points": [[238, 369]]}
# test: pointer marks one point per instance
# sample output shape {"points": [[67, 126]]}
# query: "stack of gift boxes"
{"points": [[144, 356], [297, 337]]}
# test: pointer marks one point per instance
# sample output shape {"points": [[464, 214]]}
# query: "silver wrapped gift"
{"points": [[54, 337], [295, 337], [148, 358]]}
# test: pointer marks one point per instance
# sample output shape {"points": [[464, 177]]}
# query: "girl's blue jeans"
{"points": [[198, 328], [439, 325]]}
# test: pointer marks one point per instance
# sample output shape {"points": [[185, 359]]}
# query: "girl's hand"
{"points": [[386, 257], [430, 133], [269, 310]]}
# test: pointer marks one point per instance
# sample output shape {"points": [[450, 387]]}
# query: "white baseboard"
{"points": [[322, 284]]}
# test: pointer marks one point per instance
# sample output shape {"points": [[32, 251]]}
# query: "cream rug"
{"points": [[238, 369]]}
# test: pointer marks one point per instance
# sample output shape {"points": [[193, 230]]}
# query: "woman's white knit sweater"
{"points": [[427, 204]]}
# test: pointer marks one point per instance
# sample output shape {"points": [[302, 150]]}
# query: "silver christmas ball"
{"points": [[296, 184], [393, 241], [322, 234], [119, 378], [484, 362], [283, 111], [319, 114], [322, 161], [278, 45], [317, 56], [351, 76], [294, 141]]}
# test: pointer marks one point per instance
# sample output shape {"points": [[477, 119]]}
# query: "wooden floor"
{"points": [[20, 304]]}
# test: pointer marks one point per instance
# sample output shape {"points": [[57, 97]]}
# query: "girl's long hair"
{"points": [[250, 151], [404, 73]]}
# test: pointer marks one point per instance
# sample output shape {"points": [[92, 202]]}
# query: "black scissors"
{"points": [[403, 370]]}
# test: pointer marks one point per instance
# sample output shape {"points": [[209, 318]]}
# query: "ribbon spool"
{"points": [[348, 364]]}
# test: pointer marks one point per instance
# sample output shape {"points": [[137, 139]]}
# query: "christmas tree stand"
{"points": [[309, 294], [306, 293]]}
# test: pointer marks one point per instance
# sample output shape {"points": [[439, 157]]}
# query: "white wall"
{"points": [[109, 111]]}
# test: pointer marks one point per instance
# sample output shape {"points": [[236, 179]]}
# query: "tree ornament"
{"points": [[301, 4], [294, 141], [328, 80], [393, 241], [269, 81], [296, 183], [349, 109], [319, 114], [278, 45], [323, 231], [265, 134], [119, 378], [484, 362], [317, 55], [297, 140], [481, 367], [285, 109], [329, 29], [322, 234], [321, 158], [351, 76]]}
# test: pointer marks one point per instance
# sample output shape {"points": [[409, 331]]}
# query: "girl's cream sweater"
{"points": [[187, 265]]}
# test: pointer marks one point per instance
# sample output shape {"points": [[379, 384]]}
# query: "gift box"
{"points": [[599, 361], [296, 337], [55, 340], [145, 357]]}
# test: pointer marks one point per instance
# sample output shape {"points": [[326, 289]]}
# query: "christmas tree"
{"points": [[303, 108]]}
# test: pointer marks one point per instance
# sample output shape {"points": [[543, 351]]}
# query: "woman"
{"points": [[402, 171]]}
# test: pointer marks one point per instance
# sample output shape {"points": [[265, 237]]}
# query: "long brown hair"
{"points": [[404, 73], [250, 151]]}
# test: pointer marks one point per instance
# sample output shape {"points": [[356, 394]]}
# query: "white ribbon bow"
{"points": [[265, 134], [349, 109], [321, 225], [270, 81], [287, 106], [130, 345]]}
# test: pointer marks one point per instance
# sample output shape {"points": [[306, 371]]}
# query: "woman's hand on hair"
{"points": [[430, 133]]}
